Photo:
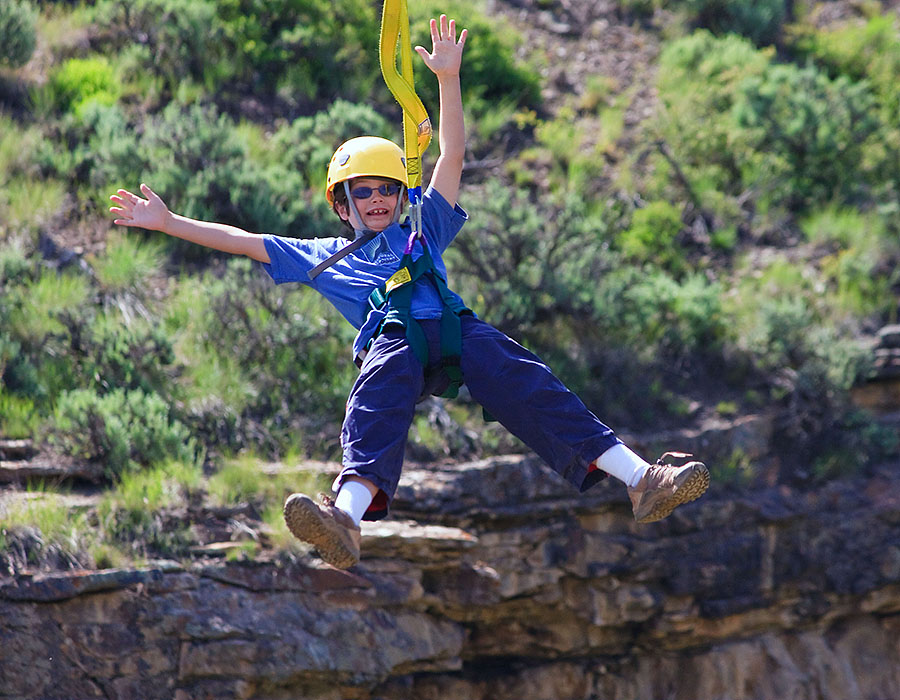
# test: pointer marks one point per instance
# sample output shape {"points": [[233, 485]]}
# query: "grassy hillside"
{"points": [[690, 208]]}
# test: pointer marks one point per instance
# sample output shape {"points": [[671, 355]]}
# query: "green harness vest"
{"points": [[397, 292]]}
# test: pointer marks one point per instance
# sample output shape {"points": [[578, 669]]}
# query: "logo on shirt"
{"points": [[379, 252]]}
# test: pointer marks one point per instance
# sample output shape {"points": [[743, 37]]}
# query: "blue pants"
{"points": [[511, 383]]}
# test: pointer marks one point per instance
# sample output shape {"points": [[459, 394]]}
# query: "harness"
{"points": [[395, 294]]}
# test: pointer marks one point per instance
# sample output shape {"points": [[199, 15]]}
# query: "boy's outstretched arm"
{"points": [[152, 213], [444, 61]]}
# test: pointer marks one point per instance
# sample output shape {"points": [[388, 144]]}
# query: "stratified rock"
{"points": [[495, 580]]}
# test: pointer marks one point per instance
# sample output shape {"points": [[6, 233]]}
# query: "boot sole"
{"points": [[692, 488], [304, 519]]}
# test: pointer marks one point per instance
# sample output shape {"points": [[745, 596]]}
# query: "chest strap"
{"points": [[396, 294]]}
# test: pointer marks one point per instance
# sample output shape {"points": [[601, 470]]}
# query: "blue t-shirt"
{"points": [[348, 283]]}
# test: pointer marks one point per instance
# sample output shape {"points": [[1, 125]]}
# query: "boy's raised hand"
{"points": [[446, 52], [150, 213]]}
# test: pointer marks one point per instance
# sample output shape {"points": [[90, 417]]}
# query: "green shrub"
{"points": [[139, 513], [37, 314], [18, 36], [855, 442], [758, 20], [242, 480], [15, 266], [116, 354], [843, 227], [182, 38], [45, 532], [652, 236], [789, 329], [199, 161], [657, 316], [28, 203], [120, 430], [128, 264], [195, 159], [292, 347], [40, 307], [17, 143], [81, 80], [98, 151], [774, 328], [56, 337], [869, 51], [290, 48], [699, 79], [18, 416], [261, 367], [491, 71], [787, 137], [528, 271], [300, 47], [859, 267], [862, 285], [574, 163], [199, 164], [808, 135], [213, 386]]}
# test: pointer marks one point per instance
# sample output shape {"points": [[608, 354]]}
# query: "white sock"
{"points": [[622, 463], [354, 499]]}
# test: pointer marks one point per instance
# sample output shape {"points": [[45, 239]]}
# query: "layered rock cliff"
{"points": [[495, 580]]}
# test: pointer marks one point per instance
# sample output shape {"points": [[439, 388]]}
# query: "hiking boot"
{"points": [[330, 530], [665, 487]]}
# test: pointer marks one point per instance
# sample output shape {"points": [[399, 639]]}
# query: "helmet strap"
{"points": [[352, 210], [398, 210]]}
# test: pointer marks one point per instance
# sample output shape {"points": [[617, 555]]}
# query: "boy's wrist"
{"points": [[168, 222]]}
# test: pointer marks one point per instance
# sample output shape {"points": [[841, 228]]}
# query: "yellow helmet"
{"points": [[365, 156]]}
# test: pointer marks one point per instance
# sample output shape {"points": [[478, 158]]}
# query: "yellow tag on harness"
{"points": [[398, 279]]}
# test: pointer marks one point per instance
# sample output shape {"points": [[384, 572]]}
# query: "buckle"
{"points": [[377, 299]]}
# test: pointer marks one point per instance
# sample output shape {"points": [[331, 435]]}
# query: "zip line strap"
{"points": [[342, 253], [416, 124]]}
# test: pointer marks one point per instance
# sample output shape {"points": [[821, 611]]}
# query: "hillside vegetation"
{"points": [[714, 231]]}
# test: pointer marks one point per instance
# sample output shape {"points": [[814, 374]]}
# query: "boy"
{"points": [[393, 289]]}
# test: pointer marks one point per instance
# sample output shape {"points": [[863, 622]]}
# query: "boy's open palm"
{"points": [[150, 213], [446, 52]]}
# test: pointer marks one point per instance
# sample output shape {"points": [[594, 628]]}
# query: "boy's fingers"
{"points": [[150, 194], [462, 38]]}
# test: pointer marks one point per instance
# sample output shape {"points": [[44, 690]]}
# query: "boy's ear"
{"points": [[342, 211]]}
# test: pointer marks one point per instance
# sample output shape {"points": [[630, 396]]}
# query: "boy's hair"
{"points": [[340, 197]]}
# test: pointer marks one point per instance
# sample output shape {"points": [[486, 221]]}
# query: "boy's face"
{"points": [[376, 209]]}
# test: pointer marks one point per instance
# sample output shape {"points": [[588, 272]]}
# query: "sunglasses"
{"points": [[384, 190]]}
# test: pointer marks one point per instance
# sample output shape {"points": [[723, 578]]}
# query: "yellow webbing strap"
{"points": [[416, 124]]}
